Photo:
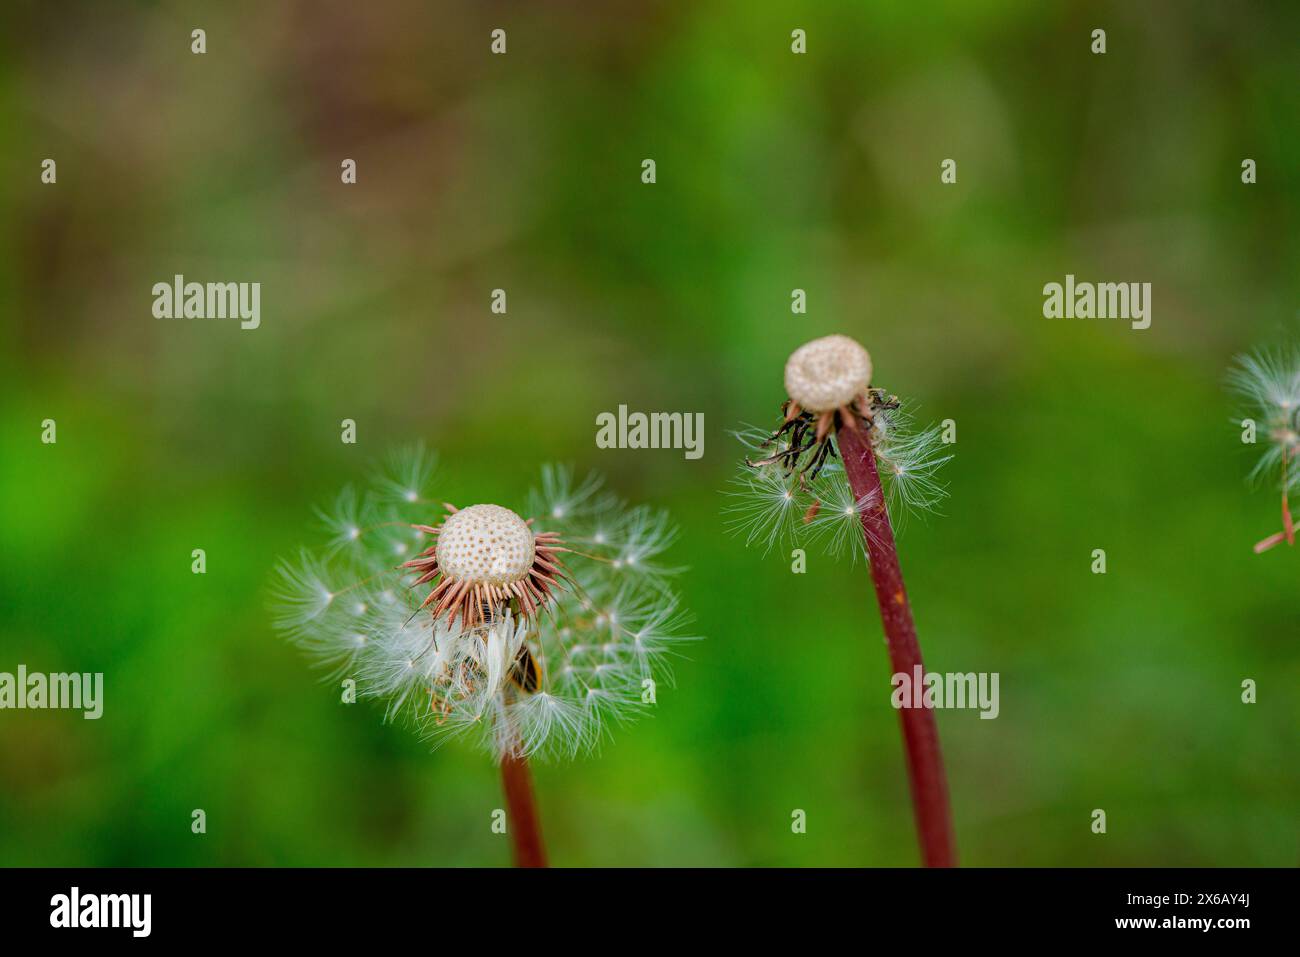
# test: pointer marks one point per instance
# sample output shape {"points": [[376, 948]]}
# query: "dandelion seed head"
{"points": [[1268, 381], [792, 489], [452, 642]]}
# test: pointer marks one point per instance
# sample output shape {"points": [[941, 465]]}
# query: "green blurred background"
{"points": [[775, 171]]}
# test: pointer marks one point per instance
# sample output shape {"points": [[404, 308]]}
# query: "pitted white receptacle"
{"points": [[827, 373], [486, 545]]}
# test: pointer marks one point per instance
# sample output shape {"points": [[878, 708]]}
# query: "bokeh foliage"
{"points": [[775, 171]]}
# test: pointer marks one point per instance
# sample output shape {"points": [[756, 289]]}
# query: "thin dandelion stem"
{"points": [[925, 769], [521, 811], [1275, 539]]}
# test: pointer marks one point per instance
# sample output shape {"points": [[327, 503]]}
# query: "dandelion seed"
{"points": [[342, 521], [301, 593], [405, 476], [765, 506], [837, 528], [560, 497], [911, 461]]}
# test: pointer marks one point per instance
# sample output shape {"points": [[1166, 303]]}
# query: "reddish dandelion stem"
{"points": [[521, 812], [920, 732]]}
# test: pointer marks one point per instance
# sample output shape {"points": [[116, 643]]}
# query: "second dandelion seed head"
{"points": [[822, 375], [793, 486]]}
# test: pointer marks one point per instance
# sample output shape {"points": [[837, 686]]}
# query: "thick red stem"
{"points": [[521, 812], [920, 732]]}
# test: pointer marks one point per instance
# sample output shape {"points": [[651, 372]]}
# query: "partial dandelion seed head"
{"points": [[827, 373], [1269, 382], [486, 545]]}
